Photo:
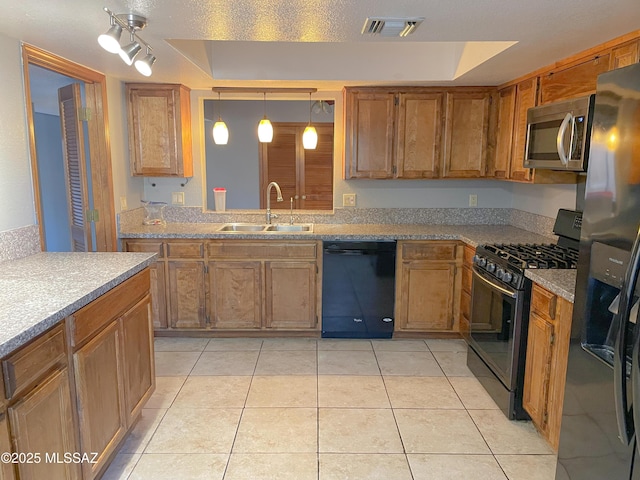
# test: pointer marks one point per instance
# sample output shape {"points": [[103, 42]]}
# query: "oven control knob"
{"points": [[507, 277], [499, 272], [491, 267]]}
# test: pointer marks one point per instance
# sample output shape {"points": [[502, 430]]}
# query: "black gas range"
{"points": [[500, 301]]}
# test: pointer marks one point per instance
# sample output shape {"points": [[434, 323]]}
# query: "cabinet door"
{"points": [[419, 134], [538, 369], [369, 134], [42, 422], [160, 130], [625, 55], [426, 293], [467, 124], [505, 132], [526, 92], [186, 294], [100, 391], [235, 294], [572, 82], [139, 371], [6, 469], [291, 294]]}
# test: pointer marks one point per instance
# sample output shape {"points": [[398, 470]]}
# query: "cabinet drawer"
{"points": [[543, 302], [429, 251], [469, 252], [145, 247], [30, 363], [90, 319], [259, 250], [467, 278], [185, 250]]}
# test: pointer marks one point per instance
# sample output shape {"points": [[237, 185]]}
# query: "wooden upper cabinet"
{"points": [[504, 133], [159, 130], [466, 126], [625, 55], [573, 81], [419, 135], [369, 130], [526, 93]]}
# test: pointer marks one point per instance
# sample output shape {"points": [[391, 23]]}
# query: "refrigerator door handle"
{"points": [[625, 418]]}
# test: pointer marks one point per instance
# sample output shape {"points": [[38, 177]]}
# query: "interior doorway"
{"points": [[70, 159]]}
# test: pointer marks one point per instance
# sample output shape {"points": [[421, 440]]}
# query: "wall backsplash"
{"points": [[20, 242], [438, 216]]}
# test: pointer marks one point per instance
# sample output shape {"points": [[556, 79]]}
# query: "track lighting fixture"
{"points": [[110, 40]]}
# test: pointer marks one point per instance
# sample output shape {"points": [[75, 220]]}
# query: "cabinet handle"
{"points": [[553, 301]]}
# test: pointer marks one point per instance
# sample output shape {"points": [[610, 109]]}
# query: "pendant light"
{"points": [[310, 136], [220, 130], [265, 129]]}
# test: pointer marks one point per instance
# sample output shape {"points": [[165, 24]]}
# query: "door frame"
{"points": [[99, 147]]}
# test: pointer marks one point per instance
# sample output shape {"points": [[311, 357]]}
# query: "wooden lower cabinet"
{"points": [[235, 294], [186, 292], [99, 380], [138, 358], [291, 294], [6, 469], [546, 361], [42, 423], [465, 296], [428, 286], [235, 284]]}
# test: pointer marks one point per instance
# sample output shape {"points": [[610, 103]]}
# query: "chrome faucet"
{"points": [[279, 199]]}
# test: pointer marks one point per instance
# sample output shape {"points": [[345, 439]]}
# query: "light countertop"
{"points": [[38, 291], [560, 282]]}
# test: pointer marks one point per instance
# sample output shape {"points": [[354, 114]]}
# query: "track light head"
{"points": [[129, 52], [110, 41], [144, 65]]}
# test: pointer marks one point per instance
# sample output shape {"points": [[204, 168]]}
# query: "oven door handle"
{"points": [[501, 289]]}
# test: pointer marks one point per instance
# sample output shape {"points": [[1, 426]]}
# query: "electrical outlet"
{"points": [[473, 200], [348, 199], [123, 203], [177, 198]]}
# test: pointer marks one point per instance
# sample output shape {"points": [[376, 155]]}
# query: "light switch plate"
{"points": [[123, 203], [473, 200], [348, 199], [177, 198]]}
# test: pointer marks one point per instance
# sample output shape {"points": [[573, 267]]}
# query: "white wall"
{"points": [[543, 199], [124, 185], [16, 191]]}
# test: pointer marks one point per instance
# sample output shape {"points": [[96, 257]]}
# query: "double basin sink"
{"points": [[256, 228]]}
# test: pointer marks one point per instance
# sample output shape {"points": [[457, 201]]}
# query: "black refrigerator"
{"points": [[601, 409]]}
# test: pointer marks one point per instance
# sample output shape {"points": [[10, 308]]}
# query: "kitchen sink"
{"points": [[307, 227], [241, 227]]}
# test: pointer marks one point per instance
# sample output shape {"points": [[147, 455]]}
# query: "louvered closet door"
{"points": [[73, 147]]}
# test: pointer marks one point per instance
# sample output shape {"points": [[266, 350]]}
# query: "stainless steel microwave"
{"points": [[558, 135]]}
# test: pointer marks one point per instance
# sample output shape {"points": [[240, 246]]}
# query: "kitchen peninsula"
{"points": [[76, 347]]}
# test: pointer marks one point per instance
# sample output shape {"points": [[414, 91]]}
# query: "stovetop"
{"points": [[546, 255]]}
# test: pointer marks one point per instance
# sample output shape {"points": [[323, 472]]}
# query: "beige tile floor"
{"points": [[280, 409]]}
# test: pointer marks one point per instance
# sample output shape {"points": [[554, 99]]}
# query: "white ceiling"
{"points": [[318, 44]]}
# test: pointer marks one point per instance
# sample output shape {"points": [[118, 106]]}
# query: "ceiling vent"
{"points": [[391, 27]]}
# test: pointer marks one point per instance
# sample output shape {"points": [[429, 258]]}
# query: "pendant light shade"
{"points": [[265, 129], [220, 130], [220, 133], [310, 136], [110, 41]]}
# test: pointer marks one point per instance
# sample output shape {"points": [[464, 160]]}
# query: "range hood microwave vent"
{"points": [[391, 27]]}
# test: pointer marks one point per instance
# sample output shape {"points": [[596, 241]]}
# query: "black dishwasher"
{"points": [[358, 289]]}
